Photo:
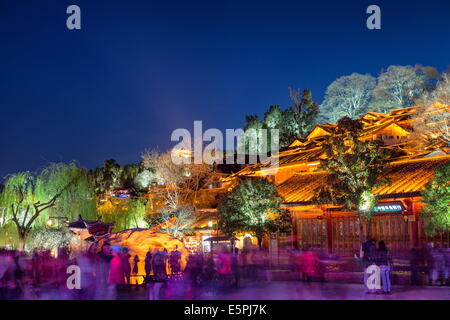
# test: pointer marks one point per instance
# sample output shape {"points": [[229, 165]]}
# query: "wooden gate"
{"points": [[394, 230], [344, 233], [312, 233]]}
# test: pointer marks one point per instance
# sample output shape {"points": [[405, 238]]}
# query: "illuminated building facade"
{"points": [[397, 218]]}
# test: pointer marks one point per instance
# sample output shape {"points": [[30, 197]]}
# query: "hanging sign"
{"points": [[396, 206]]}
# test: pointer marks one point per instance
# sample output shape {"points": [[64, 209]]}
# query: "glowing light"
{"points": [[184, 153], [367, 202]]}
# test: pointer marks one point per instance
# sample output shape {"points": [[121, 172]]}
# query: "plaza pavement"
{"points": [[275, 290], [293, 290]]}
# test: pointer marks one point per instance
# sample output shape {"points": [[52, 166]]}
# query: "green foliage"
{"points": [[112, 177], [8, 234], [58, 189], [78, 197], [144, 179], [253, 206], [125, 213], [51, 239], [300, 118], [401, 86], [437, 199], [353, 167], [347, 96], [296, 121], [396, 87], [253, 142]]}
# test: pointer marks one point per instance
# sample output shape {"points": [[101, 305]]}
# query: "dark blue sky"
{"points": [[139, 69]]}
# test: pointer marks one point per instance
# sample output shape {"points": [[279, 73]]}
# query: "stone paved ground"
{"points": [[275, 290], [331, 291]]}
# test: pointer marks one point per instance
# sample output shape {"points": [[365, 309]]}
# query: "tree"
{"points": [[273, 118], [253, 206], [178, 188], [300, 118], [125, 213], [27, 196], [436, 197], [107, 178], [52, 239], [179, 184], [433, 114], [144, 179], [78, 198], [347, 96], [112, 177], [177, 223], [293, 122], [128, 176], [354, 168], [253, 144], [401, 86], [111, 174]]}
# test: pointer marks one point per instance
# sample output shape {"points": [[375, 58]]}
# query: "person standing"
{"points": [[116, 274], [307, 264], [159, 274], [126, 267], [103, 260], [446, 253], [224, 264], [438, 265], [384, 261], [148, 264], [369, 252], [175, 261], [416, 265]]}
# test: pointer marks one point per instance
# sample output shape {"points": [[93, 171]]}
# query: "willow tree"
{"points": [[354, 167], [28, 196]]}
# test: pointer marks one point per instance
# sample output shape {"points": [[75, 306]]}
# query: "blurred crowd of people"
{"points": [[113, 272], [433, 260]]}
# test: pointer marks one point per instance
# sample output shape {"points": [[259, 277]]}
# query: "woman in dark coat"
{"points": [[384, 261], [148, 264]]}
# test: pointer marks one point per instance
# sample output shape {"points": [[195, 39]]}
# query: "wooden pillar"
{"points": [[415, 224], [329, 231], [294, 231]]}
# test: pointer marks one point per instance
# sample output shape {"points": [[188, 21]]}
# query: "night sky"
{"points": [[137, 70]]}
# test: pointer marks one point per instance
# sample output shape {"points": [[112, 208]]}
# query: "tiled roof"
{"points": [[410, 176], [300, 188], [406, 177], [309, 150]]}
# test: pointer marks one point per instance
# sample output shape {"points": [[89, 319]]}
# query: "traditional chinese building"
{"points": [[88, 231], [397, 218]]}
